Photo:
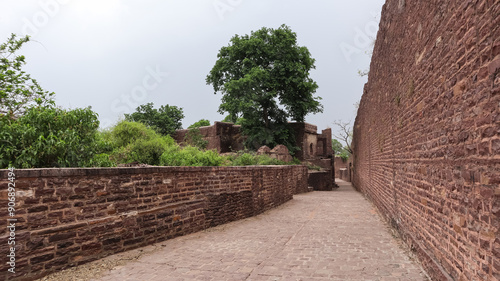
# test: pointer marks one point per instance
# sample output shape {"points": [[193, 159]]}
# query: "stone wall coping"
{"points": [[71, 172]]}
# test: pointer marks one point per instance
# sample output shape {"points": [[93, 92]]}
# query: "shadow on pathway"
{"points": [[334, 235]]}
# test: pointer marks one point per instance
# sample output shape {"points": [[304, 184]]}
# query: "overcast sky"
{"points": [[115, 55]]}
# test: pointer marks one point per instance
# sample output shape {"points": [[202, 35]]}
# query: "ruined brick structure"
{"points": [[343, 168], [67, 217], [314, 148], [427, 134], [312, 145], [223, 137]]}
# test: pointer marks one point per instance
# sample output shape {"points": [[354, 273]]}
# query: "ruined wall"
{"points": [[312, 145], [343, 168], [223, 137], [427, 134], [66, 217], [339, 164]]}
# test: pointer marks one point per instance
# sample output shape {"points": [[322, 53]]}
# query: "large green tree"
{"points": [[18, 91], [264, 79], [166, 120]]}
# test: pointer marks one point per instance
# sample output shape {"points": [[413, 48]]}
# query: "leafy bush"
{"points": [[101, 160], [195, 138], [104, 141], [201, 123], [313, 167], [250, 159], [49, 137], [246, 159], [190, 156], [135, 142], [266, 160], [150, 151], [126, 132]]}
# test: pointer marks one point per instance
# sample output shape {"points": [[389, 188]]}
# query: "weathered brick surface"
{"points": [[68, 217], [223, 137], [427, 134], [320, 180], [343, 168]]}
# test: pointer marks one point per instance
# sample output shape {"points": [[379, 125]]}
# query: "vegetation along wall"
{"points": [[427, 134], [67, 217]]}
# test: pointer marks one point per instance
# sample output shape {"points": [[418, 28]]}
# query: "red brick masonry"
{"points": [[427, 133], [68, 217]]}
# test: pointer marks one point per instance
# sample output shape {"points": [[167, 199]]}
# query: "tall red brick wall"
{"points": [[67, 217], [427, 135]]}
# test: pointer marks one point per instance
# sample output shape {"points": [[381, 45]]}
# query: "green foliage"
{"points": [[49, 137], [195, 138], [190, 156], [201, 123], [228, 119], [135, 142], [165, 120], [101, 160], [104, 141], [18, 91], [277, 133], [313, 167], [126, 132], [340, 150], [264, 78], [245, 159], [149, 151], [251, 159]]}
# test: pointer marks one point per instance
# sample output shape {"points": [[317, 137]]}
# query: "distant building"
{"points": [[315, 148]]}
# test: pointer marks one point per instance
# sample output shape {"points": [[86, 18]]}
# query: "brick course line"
{"points": [[317, 236]]}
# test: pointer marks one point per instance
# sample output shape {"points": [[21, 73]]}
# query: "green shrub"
{"points": [[126, 132], [49, 137], [246, 159], [250, 159], [190, 156], [104, 141], [149, 151], [313, 167], [194, 138], [101, 160], [267, 160], [295, 161]]}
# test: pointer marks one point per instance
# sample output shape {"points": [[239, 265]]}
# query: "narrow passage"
{"points": [[334, 235]]}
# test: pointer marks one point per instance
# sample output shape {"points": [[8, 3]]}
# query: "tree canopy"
{"points": [[18, 91], [264, 78], [340, 150], [200, 123], [344, 134], [166, 120]]}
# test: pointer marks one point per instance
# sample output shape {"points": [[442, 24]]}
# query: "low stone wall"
{"points": [[67, 217], [320, 180]]}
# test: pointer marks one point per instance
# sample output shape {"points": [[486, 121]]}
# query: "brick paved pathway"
{"points": [[317, 236]]}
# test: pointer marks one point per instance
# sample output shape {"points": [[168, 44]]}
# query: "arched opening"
{"points": [[311, 149]]}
